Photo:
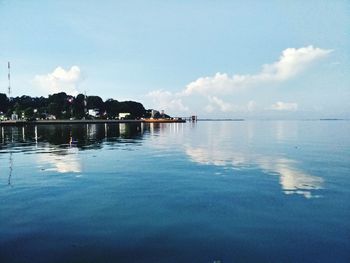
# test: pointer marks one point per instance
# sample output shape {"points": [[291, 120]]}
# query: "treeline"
{"points": [[64, 106]]}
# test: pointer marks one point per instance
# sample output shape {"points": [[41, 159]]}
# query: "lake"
{"points": [[224, 191]]}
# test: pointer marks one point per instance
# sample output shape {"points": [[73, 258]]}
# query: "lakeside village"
{"points": [[61, 106]]}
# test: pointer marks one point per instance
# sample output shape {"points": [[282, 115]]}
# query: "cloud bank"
{"points": [[284, 106], [216, 103], [291, 62], [167, 101], [60, 80], [218, 91]]}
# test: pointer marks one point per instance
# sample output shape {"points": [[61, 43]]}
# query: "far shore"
{"points": [[46, 122]]}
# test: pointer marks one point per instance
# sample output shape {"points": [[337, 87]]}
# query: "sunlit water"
{"points": [[263, 191]]}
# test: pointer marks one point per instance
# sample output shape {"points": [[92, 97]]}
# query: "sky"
{"points": [[215, 59]]}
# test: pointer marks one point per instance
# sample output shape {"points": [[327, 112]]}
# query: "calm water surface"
{"points": [[263, 191]]}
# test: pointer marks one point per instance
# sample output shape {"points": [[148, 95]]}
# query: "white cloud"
{"points": [[223, 106], [284, 106], [291, 62], [209, 108], [217, 93], [167, 101], [60, 80], [251, 106], [215, 103]]}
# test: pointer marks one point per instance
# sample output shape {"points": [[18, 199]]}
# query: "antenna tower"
{"points": [[9, 78], [85, 102]]}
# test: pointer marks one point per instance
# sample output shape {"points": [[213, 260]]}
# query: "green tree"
{"points": [[54, 109], [112, 108], [79, 107], [95, 102], [135, 109], [29, 113], [4, 102]]}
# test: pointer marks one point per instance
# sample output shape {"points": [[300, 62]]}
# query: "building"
{"points": [[50, 117], [154, 113], [94, 113], [14, 117], [123, 115]]}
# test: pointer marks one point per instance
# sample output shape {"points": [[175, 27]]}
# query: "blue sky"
{"points": [[166, 54]]}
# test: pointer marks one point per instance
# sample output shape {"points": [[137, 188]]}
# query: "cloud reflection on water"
{"points": [[292, 179], [226, 144], [66, 161]]}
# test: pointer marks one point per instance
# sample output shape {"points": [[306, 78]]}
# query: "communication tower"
{"points": [[9, 78], [85, 103]]}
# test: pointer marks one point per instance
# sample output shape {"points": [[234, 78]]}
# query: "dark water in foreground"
{"points": [[248, 191]]}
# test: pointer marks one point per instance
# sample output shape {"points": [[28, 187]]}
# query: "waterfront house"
{"points": [[50, 117], [123, 115], [14, 116], [94, 113]]}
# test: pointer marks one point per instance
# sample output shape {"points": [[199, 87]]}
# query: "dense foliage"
{"points": [[64, 106]]}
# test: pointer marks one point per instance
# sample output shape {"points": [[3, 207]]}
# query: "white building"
{"points": [[123, 115], [94, 112], [14, 117], [51, 117]]}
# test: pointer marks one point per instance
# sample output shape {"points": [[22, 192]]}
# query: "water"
{"points": [[263, 191]]}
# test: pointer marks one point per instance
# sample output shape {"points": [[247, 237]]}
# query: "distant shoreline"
{"points": [[221, 119], [56, 122]]}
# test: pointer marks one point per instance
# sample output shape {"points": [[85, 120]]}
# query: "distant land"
{"points": [[331, 119], [216, 119], [61, 106]]}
